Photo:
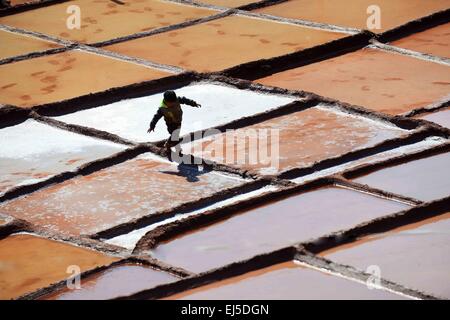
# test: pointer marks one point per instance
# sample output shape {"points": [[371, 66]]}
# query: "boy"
{"points": [[170, 109]]}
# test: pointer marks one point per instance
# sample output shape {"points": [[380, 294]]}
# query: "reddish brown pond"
{"points": [[115, 282], [118, 194], [14, 44], [286, 281], [353, 13], [206, 47], [292, 220], [441, 117], [425, 179], [382, 81], [415, 256], [29, 263], [226, 3], [434, 41], [67, 75], [303, 138], [103, 19]]}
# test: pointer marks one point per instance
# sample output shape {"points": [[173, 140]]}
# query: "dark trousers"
{"points": [[174, 138]]}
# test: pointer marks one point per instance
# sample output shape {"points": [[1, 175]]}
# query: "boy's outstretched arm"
{"points": [[189, 102], [155, 120]]}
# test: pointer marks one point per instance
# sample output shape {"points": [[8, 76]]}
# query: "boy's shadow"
{"points": [[190, 172]]}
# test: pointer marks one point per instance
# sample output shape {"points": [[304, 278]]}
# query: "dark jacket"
{"points": [[4, 4], [173, 115]]}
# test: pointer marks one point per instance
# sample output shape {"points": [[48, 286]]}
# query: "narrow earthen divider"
{"points": [[301, 22], [378, 192], [29, 6], [148, 262], [406, 52], [14, 226], [36, 54], [140, 61], [252, 86], [399, 121], [39, 35], [444, 103], [81, 241], [437, 126], [19, 225], [198, 4], [12, 115], [160, 265], [415, 26], [257, 4], [260, 4]]}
